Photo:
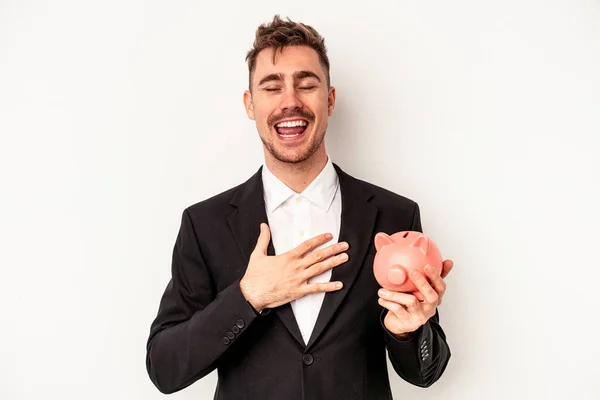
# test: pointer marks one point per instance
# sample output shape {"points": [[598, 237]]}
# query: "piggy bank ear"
{"points": [[422, 243], [382, 239]]}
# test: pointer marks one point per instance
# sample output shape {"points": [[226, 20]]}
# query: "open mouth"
{"points": [[291, 129]]}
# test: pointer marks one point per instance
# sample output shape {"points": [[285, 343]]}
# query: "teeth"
{"points": [[295, 134], [291, 124]]}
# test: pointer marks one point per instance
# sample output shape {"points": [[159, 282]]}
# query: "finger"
{"points": [[396, 308], [330, 263], [310, 244], [408, 300], [429, 293], [446, 267], [323, 287], [262, 244], [325, 253], [436, 280], [418, 295]]}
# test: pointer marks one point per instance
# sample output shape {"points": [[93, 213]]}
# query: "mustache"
{"points": [[307, 115]]}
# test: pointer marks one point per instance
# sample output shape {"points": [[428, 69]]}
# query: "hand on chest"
{"points": [[298, 219]]}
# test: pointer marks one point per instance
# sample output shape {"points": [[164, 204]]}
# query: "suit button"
{"points": [[226, 341], [307, 359], [235, 329], [230, 335], [240, 323]]}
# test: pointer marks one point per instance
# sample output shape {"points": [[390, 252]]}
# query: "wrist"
{"points": [[256, 305], [404, 335]]}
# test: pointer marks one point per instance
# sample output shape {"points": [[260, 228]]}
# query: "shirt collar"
{"points": [[321, 191]]}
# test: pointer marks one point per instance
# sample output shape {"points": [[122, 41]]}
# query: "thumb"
{"points": [[446, 268], [262, 244]]}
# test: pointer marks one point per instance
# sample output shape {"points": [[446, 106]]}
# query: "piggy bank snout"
{"points": [[397, 274]]}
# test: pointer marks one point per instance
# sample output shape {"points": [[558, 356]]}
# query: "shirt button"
{"points": [[301, 233], [298, 199], [307, 359]]}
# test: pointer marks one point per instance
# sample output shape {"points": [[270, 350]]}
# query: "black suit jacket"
{"points": [[204, 321]]}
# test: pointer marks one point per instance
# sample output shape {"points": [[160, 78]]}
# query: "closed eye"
{"points": [[308, 87]]}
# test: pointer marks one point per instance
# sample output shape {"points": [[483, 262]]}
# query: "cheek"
{"points": [[261, 117], [262, 112], [319, 108]]}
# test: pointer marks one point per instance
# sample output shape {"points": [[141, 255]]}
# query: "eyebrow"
{"points": [[305, 74], [296, 75]]}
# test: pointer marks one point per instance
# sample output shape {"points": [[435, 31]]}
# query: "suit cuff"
{"points": [[229, 314], [416, 348]]}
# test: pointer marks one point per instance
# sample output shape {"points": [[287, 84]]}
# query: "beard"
{"points": [[295, 156]]}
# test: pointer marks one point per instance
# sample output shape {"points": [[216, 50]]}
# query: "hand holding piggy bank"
{"points": [[401, 253]]}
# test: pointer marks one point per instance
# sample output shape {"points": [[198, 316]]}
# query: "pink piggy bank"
{"points": [[401, 253]]}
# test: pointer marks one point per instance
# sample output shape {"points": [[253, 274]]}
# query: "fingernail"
{"points": [[414, 274], [338, 285], [344, 256], [429, 268], [383, 293], [328, 236], [344, 246]]}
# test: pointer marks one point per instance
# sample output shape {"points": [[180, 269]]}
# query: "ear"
{"points": [[382, 239], [422, 243], [331, 101], [248, 104]]}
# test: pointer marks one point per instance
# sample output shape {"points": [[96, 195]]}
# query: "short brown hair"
{"points": [[279, 34]]}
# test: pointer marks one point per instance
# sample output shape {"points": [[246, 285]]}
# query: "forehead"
{"points": [[291, 59]]}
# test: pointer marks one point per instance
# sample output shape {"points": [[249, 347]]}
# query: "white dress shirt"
{"points": [[294, 218]]}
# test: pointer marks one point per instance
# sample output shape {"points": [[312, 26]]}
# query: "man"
{"points": [[272, 281]]}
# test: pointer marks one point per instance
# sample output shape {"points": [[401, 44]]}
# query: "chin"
{"points": [[294, 156], [290, 157]]}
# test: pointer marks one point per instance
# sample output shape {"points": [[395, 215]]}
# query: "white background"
{"points": [[116, 115]]}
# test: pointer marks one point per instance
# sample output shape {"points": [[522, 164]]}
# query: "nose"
{"points": [[290, 99]]}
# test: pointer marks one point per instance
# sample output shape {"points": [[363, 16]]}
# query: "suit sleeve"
{"points": [[422, 359], [195, 325]]}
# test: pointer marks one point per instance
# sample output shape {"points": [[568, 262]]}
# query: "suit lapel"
{"points": [[245, 224], [357, 224]]}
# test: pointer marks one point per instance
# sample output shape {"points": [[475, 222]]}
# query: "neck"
{"points": [[297, 176]]}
